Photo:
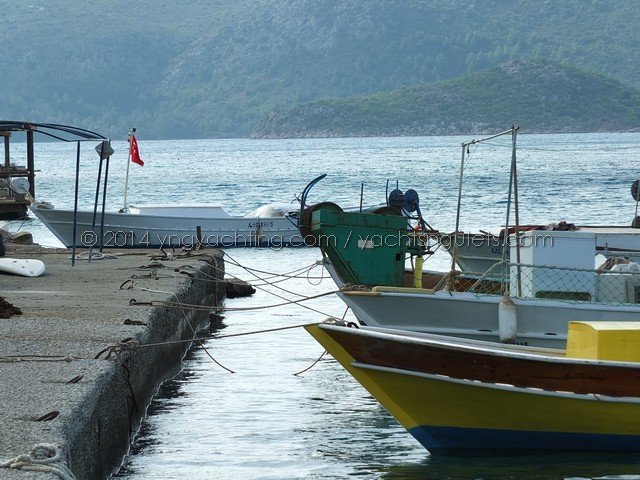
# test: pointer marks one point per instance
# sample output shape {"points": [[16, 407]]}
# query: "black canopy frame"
{"points": [[68, 133]]}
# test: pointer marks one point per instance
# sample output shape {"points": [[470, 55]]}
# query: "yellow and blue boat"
{"points": [[457, 394]]}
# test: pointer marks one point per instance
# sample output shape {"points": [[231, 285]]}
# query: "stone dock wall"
{"points": [[71, 314]]}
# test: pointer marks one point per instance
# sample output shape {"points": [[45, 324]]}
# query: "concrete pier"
{"points": [[70, 314]]}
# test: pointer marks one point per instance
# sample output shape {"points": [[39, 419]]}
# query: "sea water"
{"points": [[265, 422]]}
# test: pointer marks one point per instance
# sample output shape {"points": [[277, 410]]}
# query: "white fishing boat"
{"points": [[529, 303], [477, 252], [550, 278], [164, 226], [150, 226]]}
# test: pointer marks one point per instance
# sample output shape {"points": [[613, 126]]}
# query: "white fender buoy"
{"points": [[507, 320], [22, 267]]}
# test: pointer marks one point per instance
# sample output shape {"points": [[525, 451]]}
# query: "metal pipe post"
{"points": [[7, 155], [30, 164], [75, 208], [104, 202], [95, 203]]}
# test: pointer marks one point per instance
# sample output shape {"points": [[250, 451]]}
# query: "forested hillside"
{"points": [[539, 96], [205, 68]]}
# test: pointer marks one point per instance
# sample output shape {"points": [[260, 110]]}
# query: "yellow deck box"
{"points": [[617, 341]]}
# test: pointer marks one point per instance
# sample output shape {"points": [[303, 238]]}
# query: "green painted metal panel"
{"points": [[364, 248]]}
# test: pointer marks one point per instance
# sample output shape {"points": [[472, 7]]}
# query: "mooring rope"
{"points": [[203, 276], [37, 358], [312, 365], [306, 270], [201, 338], [288, 275], [96, 256], [195, 334], [231, 335], [129, 344], [303, 275], [322, 277], [43, 458], [261, 288], [164, 303], [280, 278]]}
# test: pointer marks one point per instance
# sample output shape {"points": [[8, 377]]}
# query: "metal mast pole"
{"points": [[75, 207], [465, 145], [455, 233], [515, 204], [126, 181]]}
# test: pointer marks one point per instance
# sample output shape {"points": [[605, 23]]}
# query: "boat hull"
{"points": [[446, 439], [127, 230], [540, 322], [448, 414]]}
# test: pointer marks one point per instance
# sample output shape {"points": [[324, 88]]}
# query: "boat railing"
{"points": [[619, 285]]}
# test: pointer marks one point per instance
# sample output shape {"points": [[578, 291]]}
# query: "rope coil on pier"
{"points": [[43, 458], [128, 344], [348, 287]]}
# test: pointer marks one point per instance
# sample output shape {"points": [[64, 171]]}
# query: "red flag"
{"points": [[133, 151]]}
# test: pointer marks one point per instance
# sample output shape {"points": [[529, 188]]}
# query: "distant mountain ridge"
{"points": [[215, 68], [538, 95]]}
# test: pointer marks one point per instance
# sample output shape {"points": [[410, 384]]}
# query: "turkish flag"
{"points": [[133, 151]]}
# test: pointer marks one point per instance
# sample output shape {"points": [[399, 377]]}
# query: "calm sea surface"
{"points": [[264, 422]]}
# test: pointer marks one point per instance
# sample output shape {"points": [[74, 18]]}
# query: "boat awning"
{"points": [[64, 133]]}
